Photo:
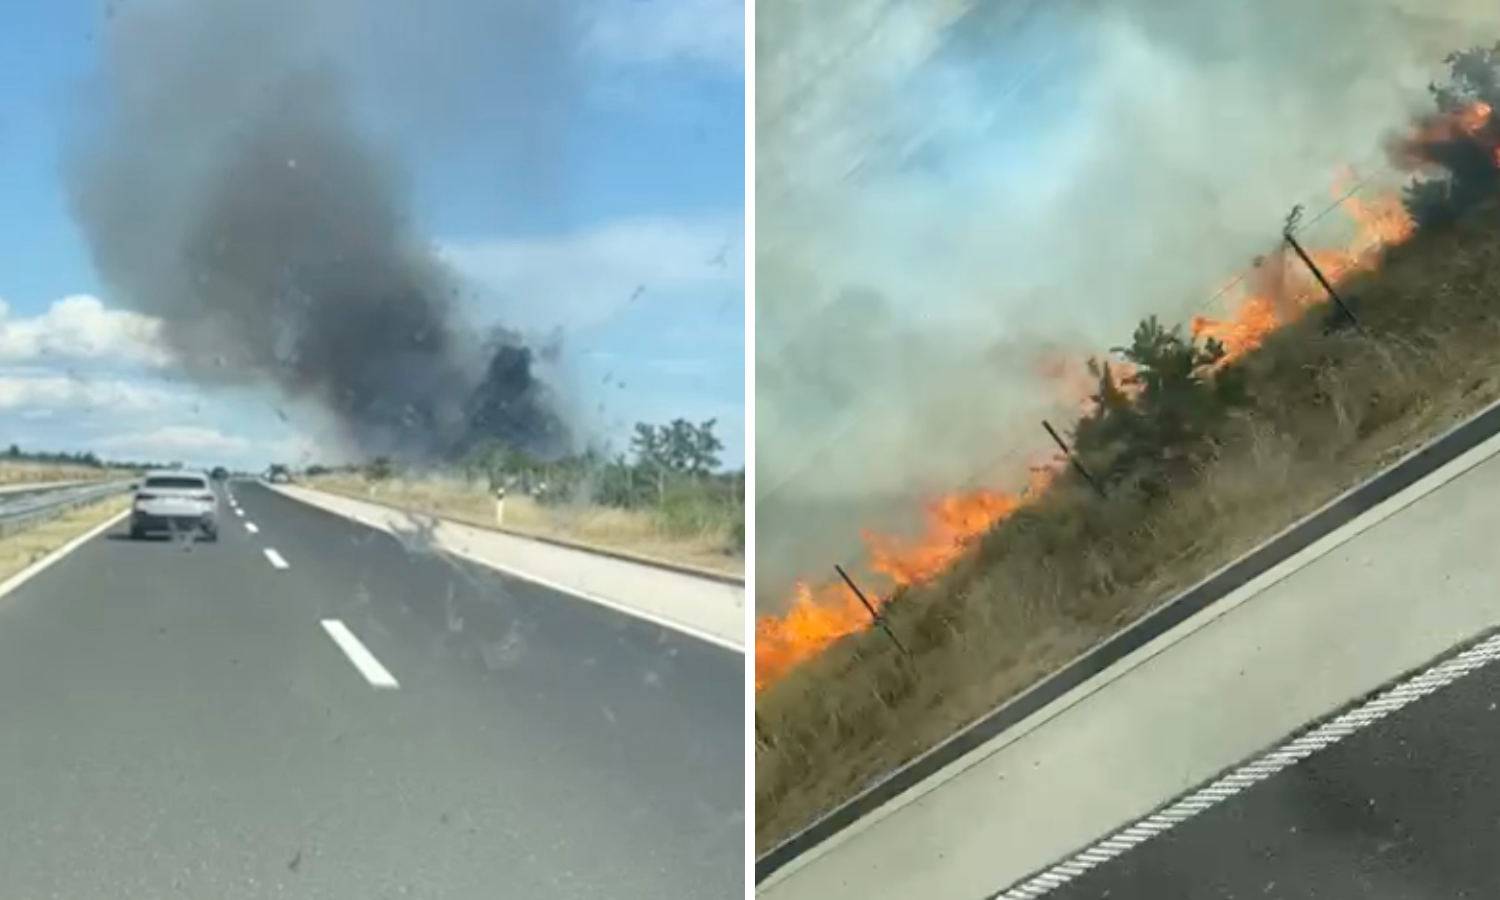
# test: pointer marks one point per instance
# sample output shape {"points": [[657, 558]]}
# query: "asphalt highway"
{"points": [[1406, 808], [310, 708]]}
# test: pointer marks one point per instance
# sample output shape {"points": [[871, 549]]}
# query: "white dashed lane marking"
{"points": [[1283, 757], [275, 558], [363, 659], [251, 527]]}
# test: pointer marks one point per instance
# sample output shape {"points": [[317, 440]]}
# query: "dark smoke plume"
{"points": [[224, 185]]}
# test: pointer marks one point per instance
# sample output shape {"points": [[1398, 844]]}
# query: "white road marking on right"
{"points": [[276, 559], [363, 659], [318, 500], [251, 527], [239, 512], [1284, 756]]}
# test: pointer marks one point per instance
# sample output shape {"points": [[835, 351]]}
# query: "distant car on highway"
{"points": [[176, 502], [220, 474]]}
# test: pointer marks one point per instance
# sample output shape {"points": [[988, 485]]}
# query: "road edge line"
{"points": [[475, 559], [1362, 712], [46, 562], [618, 607]]}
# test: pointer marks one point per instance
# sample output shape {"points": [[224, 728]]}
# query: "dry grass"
{"points": [[39, 473], [1058, 578], [619, 530], [20, 550]]}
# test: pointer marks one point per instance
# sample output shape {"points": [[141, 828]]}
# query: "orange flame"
{"points": [[1280, 288], [816, 618], [1471, 121], [1277, 292], [819, 616]]}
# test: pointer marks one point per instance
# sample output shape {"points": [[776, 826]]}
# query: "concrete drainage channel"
{"points": [[28, 507]]}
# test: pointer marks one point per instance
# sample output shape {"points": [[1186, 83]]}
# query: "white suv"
{"points": [[175, 502]]}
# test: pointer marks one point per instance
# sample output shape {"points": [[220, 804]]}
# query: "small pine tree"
{"points": [[1152, 432]]}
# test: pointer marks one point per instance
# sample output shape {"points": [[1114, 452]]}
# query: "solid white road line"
{"points": [[37, 567], [382, 525], [251, 527], [362, 658], [597, 599], [275, 558]]}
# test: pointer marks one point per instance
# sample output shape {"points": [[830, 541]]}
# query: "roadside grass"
{"points": [[685, 530], [22, 549], [1330, 410], [13, 473]]}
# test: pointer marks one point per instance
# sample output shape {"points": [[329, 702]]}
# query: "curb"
{"points": [[1330, 517]]}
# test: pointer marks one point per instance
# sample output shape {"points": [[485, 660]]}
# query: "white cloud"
{"points": [[29, 390], [81, 327], [206, 445], [706, 32], [173, 439], [582, 279]]}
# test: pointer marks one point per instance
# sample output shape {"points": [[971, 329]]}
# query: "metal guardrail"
{"points": [[25, 508]]}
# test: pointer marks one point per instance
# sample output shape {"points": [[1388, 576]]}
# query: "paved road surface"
{"points": [[1407, 808], [179, 721]]}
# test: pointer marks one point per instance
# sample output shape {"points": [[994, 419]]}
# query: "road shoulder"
{"points": [[708, 609]]}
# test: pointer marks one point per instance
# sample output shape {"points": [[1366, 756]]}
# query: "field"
{"points": [[698, 540], [1328, 408], [22, 472]]}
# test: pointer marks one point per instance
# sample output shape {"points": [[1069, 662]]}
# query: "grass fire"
{"points": [[1204, 440]]}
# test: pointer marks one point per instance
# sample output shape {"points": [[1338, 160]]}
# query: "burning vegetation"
{"points": [[1153, 418]]}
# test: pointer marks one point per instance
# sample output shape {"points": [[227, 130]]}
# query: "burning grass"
{"points": [[1006, 588], [633, 532]]}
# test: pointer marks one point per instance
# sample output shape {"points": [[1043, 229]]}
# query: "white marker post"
{"points": [[500, 506]]}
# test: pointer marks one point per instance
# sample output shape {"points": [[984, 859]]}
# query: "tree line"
{"points": [[674, 470], [83, 458], [91, 460]]}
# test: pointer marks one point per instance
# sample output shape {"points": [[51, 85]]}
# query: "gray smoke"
{"points": [[226, 174], [950, 194]]}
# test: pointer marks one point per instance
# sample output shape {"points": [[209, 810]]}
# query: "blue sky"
{"points": [[631, 243]]}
